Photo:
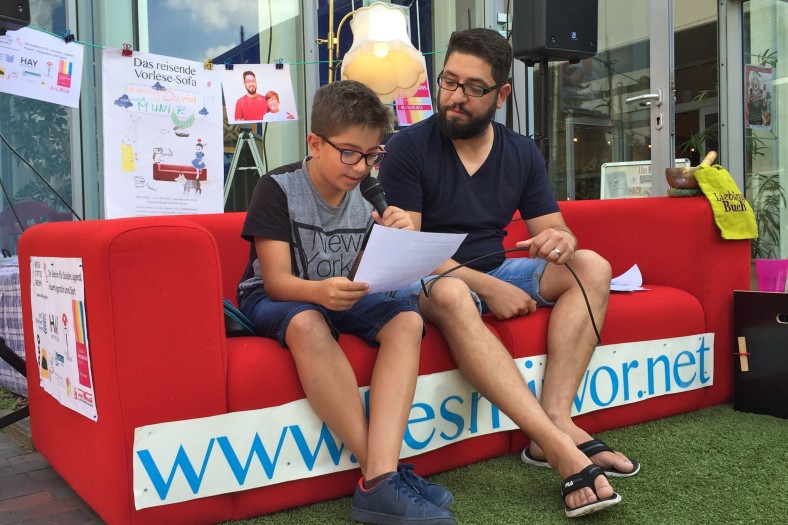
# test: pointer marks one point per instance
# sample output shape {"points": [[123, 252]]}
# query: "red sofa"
{"points": [[170, 172], [153, 290]]}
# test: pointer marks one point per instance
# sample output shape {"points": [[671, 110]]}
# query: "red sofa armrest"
{"points": [[157, 348]]}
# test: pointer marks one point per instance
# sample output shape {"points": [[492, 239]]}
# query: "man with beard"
{"points": [[252, 106], [459, 171]]}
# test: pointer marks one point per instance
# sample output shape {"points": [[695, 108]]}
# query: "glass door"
{"points": [[611, 119], [600, 109]]}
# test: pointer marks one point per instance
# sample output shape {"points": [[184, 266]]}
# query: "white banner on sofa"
{"points": [[184, 460]]}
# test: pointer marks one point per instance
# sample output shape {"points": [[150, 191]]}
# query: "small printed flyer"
{"points": [[163, 136], [758, 89], [36, 65], [57, 292]]}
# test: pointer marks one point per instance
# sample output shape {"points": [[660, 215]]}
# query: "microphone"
{"points": [[373, 192]]}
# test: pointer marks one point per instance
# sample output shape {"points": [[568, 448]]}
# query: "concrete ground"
{"points": [[31, 492]]}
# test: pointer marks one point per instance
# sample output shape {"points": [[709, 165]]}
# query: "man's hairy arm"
{"points": [[503, 299]]}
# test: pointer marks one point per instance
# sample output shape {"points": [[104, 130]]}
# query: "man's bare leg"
{"points": [[571, 341], [489, 368]]}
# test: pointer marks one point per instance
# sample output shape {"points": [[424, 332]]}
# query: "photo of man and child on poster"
{"points": [[259, 93]]}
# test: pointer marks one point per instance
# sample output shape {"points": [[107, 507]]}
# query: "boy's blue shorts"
{"points": [[364, 319], [523, 272]]}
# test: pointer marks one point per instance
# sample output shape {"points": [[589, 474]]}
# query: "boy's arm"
{"points": [[335, 293]]}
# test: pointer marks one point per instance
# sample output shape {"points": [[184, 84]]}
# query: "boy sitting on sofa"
{"points": [[307, 221]]}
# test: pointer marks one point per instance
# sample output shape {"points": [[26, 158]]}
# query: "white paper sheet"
{"points": [[395, 258], [37, 65], [629, 281]]}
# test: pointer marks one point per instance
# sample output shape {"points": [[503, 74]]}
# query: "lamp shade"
{"points": [[382, 56]]}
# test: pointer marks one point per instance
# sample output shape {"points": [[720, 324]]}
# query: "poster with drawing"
{"points": [[60, 332], [758, 95], [259, 93], [163, 136]]}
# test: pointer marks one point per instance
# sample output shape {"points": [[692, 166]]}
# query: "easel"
{"points": [[241, 157]]}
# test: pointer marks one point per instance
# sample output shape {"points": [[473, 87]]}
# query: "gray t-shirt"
{"points": [[324, 240]]}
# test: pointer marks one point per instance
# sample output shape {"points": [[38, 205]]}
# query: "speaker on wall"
{"points": [[14, 14], [554, 30]]}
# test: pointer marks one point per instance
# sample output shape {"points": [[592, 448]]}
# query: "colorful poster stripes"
{"points": [[416, 108], [64, 73], [83, 361]]}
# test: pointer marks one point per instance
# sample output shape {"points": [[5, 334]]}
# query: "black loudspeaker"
{"points": [[14, 14], [554, 30]]}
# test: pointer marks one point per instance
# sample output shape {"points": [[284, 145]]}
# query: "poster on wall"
{"points": [[259, 93], [758, 95], [163, 136], [416, 108], [60, 331], [37, 65]]}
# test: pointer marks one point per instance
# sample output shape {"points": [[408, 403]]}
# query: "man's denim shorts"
{"points": [[364, 319], [523, 272]]}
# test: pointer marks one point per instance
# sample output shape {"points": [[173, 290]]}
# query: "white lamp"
{"points": [[381, 56]]}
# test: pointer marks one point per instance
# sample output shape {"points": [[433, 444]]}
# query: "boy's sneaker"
{"points": [[432, 492], [394, 502]]}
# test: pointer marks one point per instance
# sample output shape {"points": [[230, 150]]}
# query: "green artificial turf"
{"points": [[713, 466]]}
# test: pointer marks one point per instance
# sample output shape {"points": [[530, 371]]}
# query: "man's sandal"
{"points": [[595, 446], [585, 478], [589, 448]]}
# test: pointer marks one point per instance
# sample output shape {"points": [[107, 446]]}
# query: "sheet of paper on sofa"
{"points": [[57, 300], [629, 281], [395, 258], [184, 460]]}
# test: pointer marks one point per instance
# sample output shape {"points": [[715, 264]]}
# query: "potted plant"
{"points": [[767, 198]]}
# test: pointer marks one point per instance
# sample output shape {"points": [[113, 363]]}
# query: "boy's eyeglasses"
{"points": [[472, 90], [352, 157]]}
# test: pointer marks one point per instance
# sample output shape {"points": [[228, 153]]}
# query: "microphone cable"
{"points": [[428, 287]]}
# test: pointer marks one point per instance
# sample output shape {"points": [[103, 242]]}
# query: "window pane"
{"points": [[35, 133]]}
